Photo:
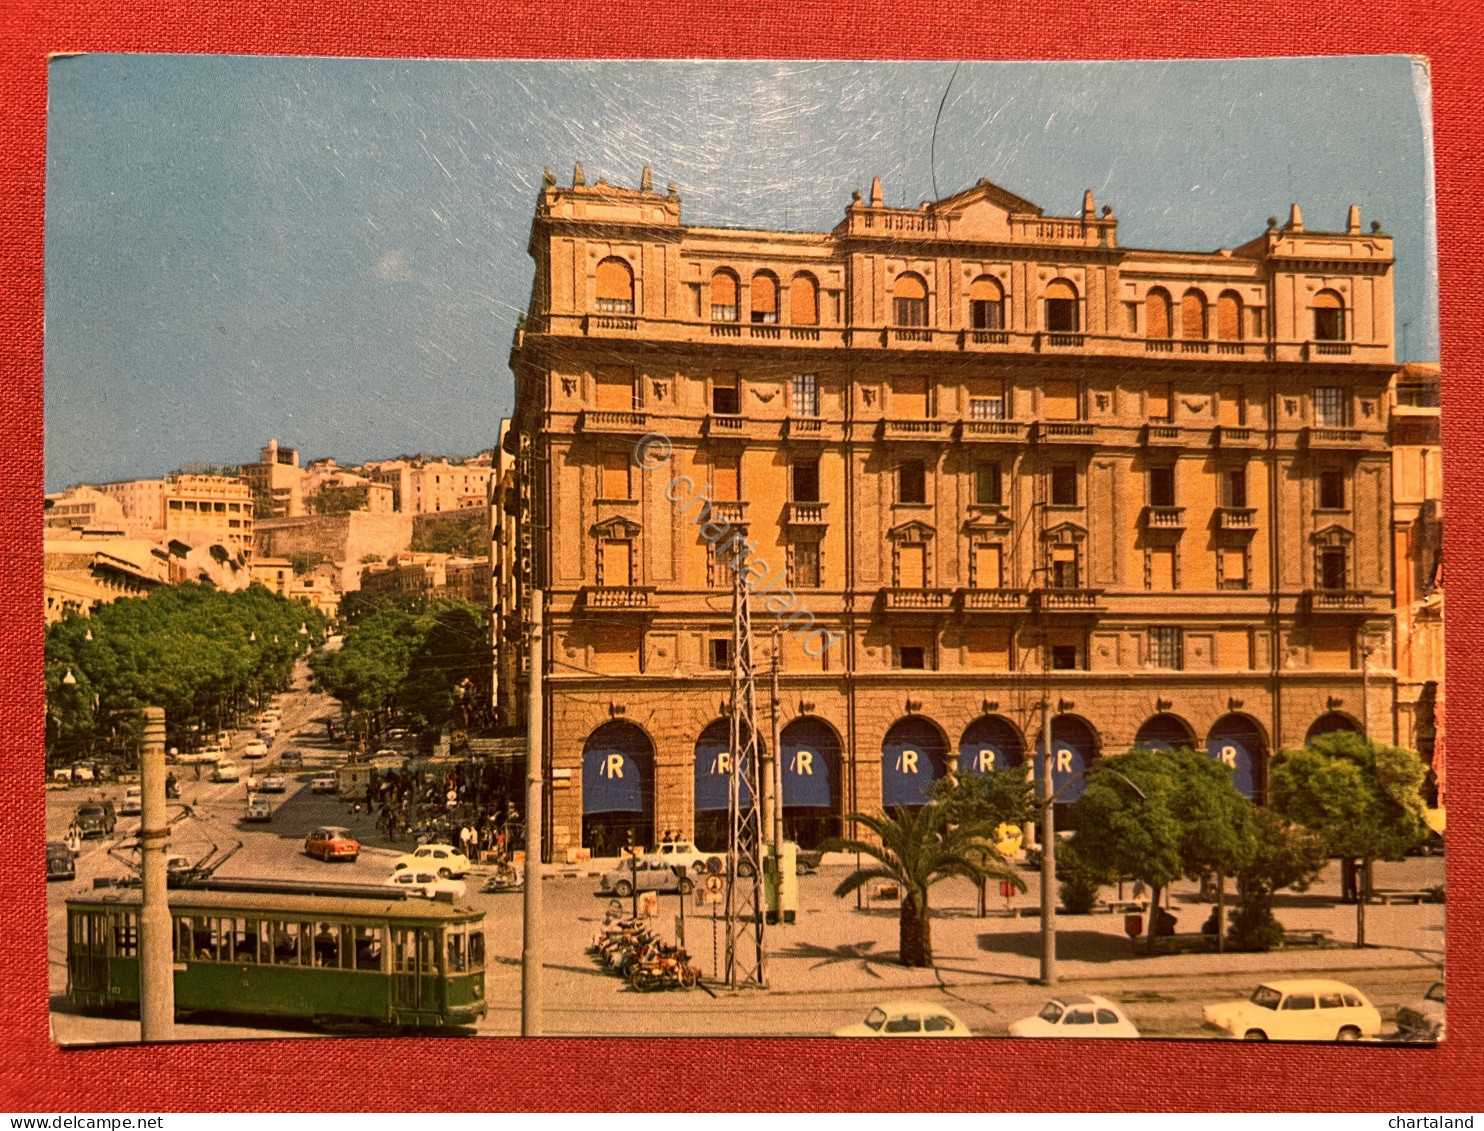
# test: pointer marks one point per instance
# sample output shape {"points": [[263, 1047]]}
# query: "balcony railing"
{"points": [[1161, 435], [914, 429], [916, 600], [1049, 431], [1195, 347], [990, 337], [805, 427], [1227, 437], [903, 334], [724, 423], [1237, 518], [1331, 349], [618, 597], [772, 333], [722, 330], [1065, 341], [1336, 600], [1231, 349], [1165, 518], [731, 511], [594, 420], [803, 334], [1159, 345], [993, 431], [992, 600], [1068, 600], [805, 514], [612, 322], [1335, 438]]}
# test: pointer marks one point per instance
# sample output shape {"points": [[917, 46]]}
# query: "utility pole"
{"points": [[156, 962], [530, 953], [745, 903], [777, 773], [1048, 845]]}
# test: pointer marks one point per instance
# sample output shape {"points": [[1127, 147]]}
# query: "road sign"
{"points": [[715, 885]]}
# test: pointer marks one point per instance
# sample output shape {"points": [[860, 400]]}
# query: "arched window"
{"points": [[764, 298], [1061, 308], [909, 300], [1329, 317], [986, 304], [724, 290], [615, 287], [1229, 317], [803, 298], [1193, 315], [1157, 314]]}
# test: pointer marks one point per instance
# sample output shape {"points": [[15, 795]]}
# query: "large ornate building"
{"points": [[998, 463]]}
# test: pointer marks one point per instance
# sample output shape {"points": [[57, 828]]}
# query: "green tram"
{"points": [[333, 960]]}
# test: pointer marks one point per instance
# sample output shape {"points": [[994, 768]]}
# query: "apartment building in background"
{"points": [[1004, 465]]}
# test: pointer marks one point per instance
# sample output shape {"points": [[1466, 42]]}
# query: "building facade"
{"points": [[277, 480], [990, 466], [211, 504]]}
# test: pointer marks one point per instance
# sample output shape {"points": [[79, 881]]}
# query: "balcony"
{"points": [[1058, 432], [1068, 600], [991, 431], [1058, 341], [632, 597], [613, 423], [1335, 439], [1236, 438], [804, 428], [1235, 349], [1164, 518], [732, 512], [602, 324], [1162, 436], [1195, 347], [1343, 601], [913, 430], [1329, 349], [992, 600], [1240, 519], [724, 424], [1159, 345], [766, 333], [805, 514], [916, 600], [899, 335], [986, 337]]}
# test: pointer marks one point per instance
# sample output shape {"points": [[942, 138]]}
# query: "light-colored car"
{"points": [[133, 803], [441, 858], [683, 852], [273, 783], [324, 783], [258, 809], [426, 884], [1424, 1020], [224, 771], [648, 873], [1304, 1009], [1076, 1015], [255, 749], [907, 1019]]}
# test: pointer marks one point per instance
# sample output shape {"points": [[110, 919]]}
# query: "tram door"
{"points": [[87, 956], [417, 976]]}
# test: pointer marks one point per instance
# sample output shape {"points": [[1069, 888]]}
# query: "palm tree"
{"points": [[919, 848]]}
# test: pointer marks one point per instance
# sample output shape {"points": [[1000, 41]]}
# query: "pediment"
{"points": [[1064, 533], [617, 527], [1333, 535], [983, 211], [913, 531]]}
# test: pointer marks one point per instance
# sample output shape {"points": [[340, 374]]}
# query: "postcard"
{"points": [[770, 549]]}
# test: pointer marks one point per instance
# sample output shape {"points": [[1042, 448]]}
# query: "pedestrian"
{"points": [[74, 840], [464, 840]]}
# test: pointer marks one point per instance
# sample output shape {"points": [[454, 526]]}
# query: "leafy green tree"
{"points": [[306, 561], [1285, 856], [452, 536], [915, 849], [454, 651], [1362, 799], [337, 500], [1157, 815], [999, 797]]}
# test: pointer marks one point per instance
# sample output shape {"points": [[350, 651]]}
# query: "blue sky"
{"points": [[332, 252]]}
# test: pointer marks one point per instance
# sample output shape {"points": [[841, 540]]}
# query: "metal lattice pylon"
{"points": [[745, 904]]}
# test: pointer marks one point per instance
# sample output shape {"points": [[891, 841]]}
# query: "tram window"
{"points": [[203, 949], [368, 948], [432, 957], [476, 950], [245, 940], [125, 935], [183, 940], [455, 951], [284, 938], [327, 945]]}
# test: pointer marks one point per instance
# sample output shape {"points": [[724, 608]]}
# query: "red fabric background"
{"points": [[792, 1074]]}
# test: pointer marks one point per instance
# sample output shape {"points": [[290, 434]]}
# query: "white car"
{"points": [[255, 749], [1304, 1009], [425, 884], [224, 771], [324, 783], [907, 1019], [273, 783], [442, 858], [258, 809], [133, 802], [682, 852], [1076, 1016]]}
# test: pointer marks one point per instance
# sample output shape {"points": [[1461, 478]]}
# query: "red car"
{"points": [[331, 843]]}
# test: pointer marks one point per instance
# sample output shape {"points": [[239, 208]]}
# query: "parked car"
{"points": [[200, 757], [133, 802], [442, 858], [645, 874], [907, 1019], [425, 884], [273, 783], [1076, 1016], [291, 758], [1423, 1020], [1306, 1009], [95, 818], [258, 809], [224, 771], [327, 782], [255, 749], [59, 863], [683, 852], [330, 842]]}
